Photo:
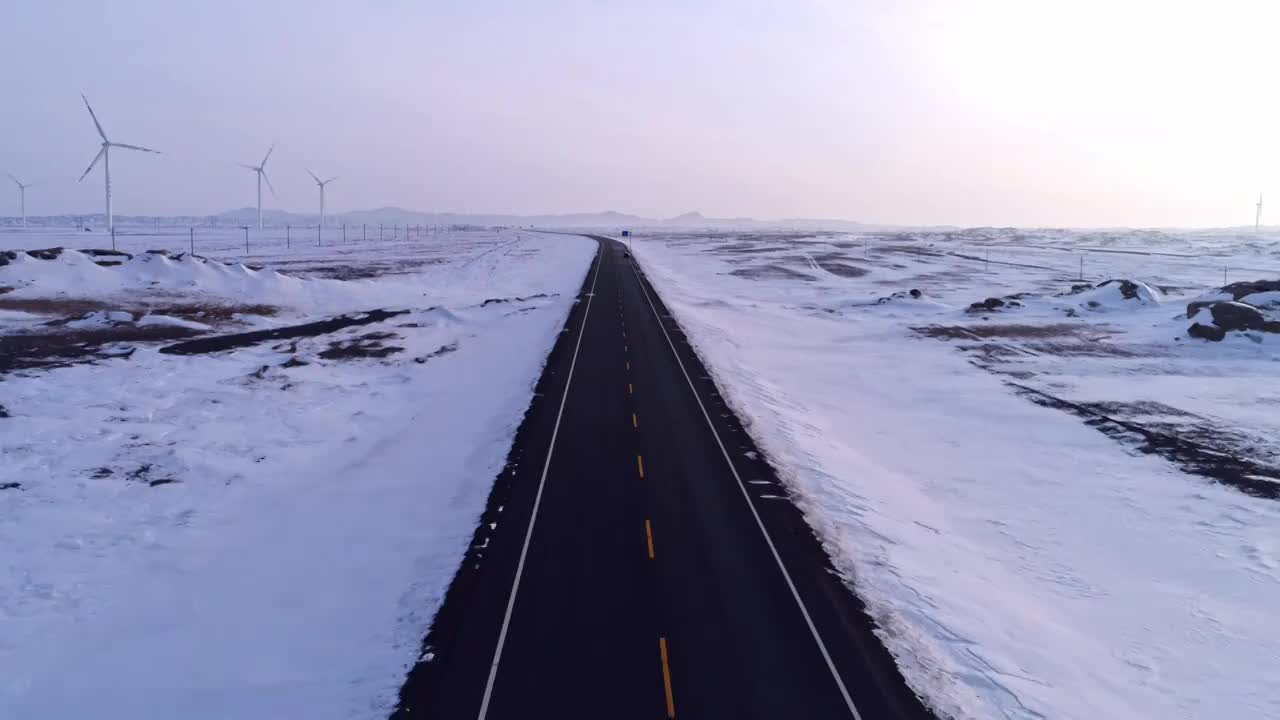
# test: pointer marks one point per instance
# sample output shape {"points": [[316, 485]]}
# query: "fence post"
{"points": [[344, 233], [364, 232], [246, 239], [288, 240], [1082, 268], [318, 226], [379, 232], [193, 241], [113, 245]]}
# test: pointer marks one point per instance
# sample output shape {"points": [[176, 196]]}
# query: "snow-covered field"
{"points": [[262, 531], [1057, 506]]}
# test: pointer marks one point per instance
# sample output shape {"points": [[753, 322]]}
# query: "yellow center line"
{"points": [[628, 364], [666, 678], [635, 423], [625, 348], [648, 534], [640, 466], [630, 389]]}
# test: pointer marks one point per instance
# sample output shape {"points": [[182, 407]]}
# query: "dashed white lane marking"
{"points": [[537, 499]]}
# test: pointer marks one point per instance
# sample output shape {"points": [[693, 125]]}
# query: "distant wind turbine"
{"points": [[22, 195], [321, 183], [105, 156], [262, 175], [1257, 219]]}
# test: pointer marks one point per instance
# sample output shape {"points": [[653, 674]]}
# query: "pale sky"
{"points": [[965, 112]]}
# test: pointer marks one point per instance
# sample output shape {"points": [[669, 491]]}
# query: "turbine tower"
{"points": [[262, 175], [105, 156], [1257, 219], [321, 183], [22, 197]]}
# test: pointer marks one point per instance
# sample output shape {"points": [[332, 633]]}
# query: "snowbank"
{"points": [[189, 278]]}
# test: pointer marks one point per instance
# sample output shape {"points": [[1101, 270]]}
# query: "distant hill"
{"points": [[607, 220]]}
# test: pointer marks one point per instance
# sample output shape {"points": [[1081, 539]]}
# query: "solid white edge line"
{"points": [[747, 496], [537, 500]]}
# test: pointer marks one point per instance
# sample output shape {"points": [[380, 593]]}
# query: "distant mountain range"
{"points": [[399, 216], [607, 219]]}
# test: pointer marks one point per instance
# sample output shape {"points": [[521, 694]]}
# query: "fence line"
{"points": [[248, 241], [1091, 265]]}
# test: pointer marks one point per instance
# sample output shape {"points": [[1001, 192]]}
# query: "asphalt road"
{"points": [[638, 559]]}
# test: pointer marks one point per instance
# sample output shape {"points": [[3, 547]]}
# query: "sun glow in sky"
{"points": [[973, 112]]}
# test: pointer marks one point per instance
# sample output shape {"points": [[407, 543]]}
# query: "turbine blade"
{"points": [[95, 118], [268, 181], [268, 155], [313, 177], [335, 177], [93, 164], [14, 179], [136, 147], [254, 168]]}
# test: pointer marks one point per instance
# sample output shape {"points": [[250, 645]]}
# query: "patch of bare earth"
{"points": [[369, 345], [838, 264], [221, 343], [70, 347], [359, 271], [57, 345], [1196, 444], [208, 313], [771, 272], [65, 309], [59, 306], [1001, 342], [1007, 330]]}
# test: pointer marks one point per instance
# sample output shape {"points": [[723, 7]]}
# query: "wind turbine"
{"points": [[105, 156], [262, 175], [321, 183], [22, 195], [1257, 219]]}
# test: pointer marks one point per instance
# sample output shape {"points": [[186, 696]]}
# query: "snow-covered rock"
{"points": [[1117, 294], [1254, 292], [1214, 321]]}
